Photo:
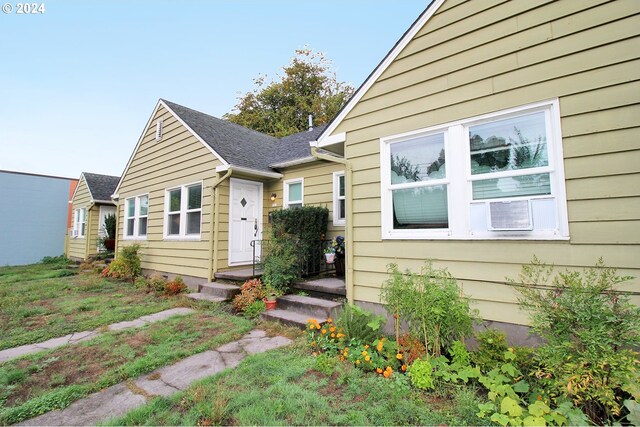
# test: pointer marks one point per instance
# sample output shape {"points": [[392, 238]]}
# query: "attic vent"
{"points": [[159, 130], [512, 215]]}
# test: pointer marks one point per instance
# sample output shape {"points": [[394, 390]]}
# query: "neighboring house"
{"points": [[494, 131], [33, 215], [197, 190], [90, 205]]}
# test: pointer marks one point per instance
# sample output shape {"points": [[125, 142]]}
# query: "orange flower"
{"points": [[380, 344], [339, 335], [329, 320], [404, 368], [313, 343], [399, 356], [333, 335], [332, 329], [324, 331], [366, 346], [367, 358], [364, 352], [358, 362], [379, 370], [387, 374]]}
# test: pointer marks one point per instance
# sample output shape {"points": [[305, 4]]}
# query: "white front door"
{"points": [[245, 220]]}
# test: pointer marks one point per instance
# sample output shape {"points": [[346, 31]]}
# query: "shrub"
{"points": [[359, 323], [492, 344], [175, 287], [126, 265], [155, 283], [250, 292], [430, 303], [253, 310], [421, 374], [281, 267], [590, 329]]}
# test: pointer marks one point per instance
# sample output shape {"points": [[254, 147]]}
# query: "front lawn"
{"points": [[290, 387], [43, 301], [50, 380]]}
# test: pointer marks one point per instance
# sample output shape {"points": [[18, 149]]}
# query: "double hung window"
{"points": [[339, 204], [136, 216], [294, 193], [183, 211]]}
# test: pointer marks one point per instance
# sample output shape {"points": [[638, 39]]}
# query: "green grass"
{"points": [[54, 379], [283, 387], [43, 301]]}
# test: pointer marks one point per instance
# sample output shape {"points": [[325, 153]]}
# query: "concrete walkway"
{"points": [[76, 337], [117, 400]]}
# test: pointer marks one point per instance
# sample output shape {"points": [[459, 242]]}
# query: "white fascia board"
{"points": [[295, 162], [78, 186], [338, 138], [377, 72], [248, 171]]}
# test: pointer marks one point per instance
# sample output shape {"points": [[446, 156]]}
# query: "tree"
{"points": [[281, 107]]}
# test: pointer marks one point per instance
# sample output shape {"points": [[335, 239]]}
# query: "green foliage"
{"points": [[126, 265], [590, 329], [175, 287], [492, 343], [110, 226], [325, 363], [281, 108], [295, 244], [251, 291], [60, 260], [421, 374], [430, 303], [360, 324], [155, 283], [254, 309]]}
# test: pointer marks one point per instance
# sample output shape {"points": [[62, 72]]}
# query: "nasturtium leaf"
{"points": [[539, 408], [510, 407], [534, 421]]}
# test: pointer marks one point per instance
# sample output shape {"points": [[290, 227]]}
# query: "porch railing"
{"points": [[311, 264]]}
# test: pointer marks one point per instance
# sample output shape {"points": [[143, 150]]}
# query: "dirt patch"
{"points": [[331, 389]]}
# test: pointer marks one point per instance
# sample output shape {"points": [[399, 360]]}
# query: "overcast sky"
{"points": [[79, 81]]}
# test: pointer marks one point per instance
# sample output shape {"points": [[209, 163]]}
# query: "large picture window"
{"points": [[494, 176], [183, 212], [136, 214]]}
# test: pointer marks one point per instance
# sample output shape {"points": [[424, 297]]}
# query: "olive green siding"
{"points": [[177, 159], [317, 191], [82, 247], [475, 57]]}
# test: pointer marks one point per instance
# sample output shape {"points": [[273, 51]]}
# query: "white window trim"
{"points": [[79, 218], [184, 197], [285, 200], [136, 218], [338, 222], [459, 178]]}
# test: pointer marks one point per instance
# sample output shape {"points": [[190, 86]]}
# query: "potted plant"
{"points": [[271, 297], [338, 248], [329, 254]]}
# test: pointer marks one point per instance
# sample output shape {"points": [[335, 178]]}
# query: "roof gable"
{"points": [[325, 139], [100, 187]]}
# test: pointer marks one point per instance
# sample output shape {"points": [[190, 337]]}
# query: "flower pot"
{"points": [[271, 305], [330, 258]]}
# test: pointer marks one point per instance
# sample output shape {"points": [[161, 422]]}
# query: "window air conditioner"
{"points": [[513, 215]]}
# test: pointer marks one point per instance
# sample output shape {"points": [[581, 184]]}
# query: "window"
{"points": [[79, 222], [183, 212], [497, 176], [339, 207], [159, 130], [136, 213], [293, 193]]}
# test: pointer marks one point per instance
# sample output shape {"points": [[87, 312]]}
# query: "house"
{"points": [[90, 204], [33, 214], [197, 191], [494, 131]]}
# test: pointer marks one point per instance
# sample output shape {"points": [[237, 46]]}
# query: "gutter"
{"points": [[249, 171], [295, 162], [348, 228], [215, 224]]}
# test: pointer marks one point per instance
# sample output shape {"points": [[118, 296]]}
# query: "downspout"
{"points": [[87, 230], [215, 224], [117, 236], [348, 229]]}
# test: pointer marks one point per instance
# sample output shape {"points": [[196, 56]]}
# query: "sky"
{"points": [[79, 80]]}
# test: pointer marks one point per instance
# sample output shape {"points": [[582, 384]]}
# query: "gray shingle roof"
{"points": [[243, 147], [101, 186]]}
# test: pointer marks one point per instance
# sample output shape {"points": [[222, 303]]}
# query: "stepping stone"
{"points": [[205, 297]]}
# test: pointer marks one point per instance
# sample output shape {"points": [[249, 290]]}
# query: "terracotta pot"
{"points": [[271, 305]]}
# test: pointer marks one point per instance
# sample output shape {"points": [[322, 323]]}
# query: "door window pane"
{"points": [[424, 207], [418, 159], [510, 144]]}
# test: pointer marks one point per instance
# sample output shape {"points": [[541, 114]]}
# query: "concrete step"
{"points": [[289, 318], [330, 286], [309, 307], [223, 290], [205, 297], [238, 275]]}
